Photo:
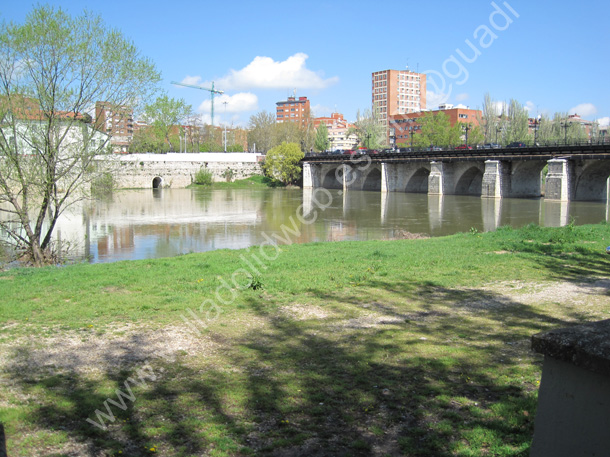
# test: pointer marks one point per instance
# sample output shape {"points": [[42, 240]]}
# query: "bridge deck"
{"points": [[583, 151]]}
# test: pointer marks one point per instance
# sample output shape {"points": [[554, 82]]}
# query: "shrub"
{"points": [[282, 163], [203, 177]]}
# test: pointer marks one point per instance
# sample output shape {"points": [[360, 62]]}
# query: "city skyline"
{"points": [[549, 57]]}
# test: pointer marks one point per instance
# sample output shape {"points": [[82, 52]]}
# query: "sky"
{"points": [[550, 56]]}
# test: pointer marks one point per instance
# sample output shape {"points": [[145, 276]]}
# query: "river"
{"points": [[152, 223]]}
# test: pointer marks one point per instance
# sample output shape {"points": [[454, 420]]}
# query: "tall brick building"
{"points": [[397, 92], [293, 110], [117, 122]]}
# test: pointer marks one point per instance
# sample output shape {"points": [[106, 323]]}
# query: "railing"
{"points": [[538, 150]]}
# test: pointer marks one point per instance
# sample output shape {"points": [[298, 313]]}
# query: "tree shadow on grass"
{"points": [[448, 372]]}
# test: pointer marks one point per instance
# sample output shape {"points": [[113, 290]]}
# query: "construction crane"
{"points": [[212, 92]]}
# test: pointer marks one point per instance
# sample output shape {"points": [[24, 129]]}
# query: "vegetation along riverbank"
{"points": [[384, 348]]}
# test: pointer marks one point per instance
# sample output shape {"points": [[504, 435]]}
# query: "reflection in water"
{"points": [[139, 224]]}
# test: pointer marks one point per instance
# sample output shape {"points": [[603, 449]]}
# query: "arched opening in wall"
{"points": [[157, 182], [373, 180], [418, 184], [333, 179], [593, 181], [470, 183]]}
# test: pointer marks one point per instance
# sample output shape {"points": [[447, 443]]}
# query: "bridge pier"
{"points": [[309, 176], [496, 179], [438, 179], [559, 180]]}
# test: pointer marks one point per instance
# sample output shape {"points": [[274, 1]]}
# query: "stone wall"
{"points": [[178, 170]]}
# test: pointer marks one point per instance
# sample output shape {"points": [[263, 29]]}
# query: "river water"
{"points": [[152, 223]]}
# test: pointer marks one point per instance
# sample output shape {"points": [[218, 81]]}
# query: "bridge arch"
{"points": [[526, 178], [157, 182], [373, 180], [333, 179], [592, 181], [418, 182], [470, 182]]}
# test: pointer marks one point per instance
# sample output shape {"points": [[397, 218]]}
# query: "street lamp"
{"points": [[565, 125], [412, 133], [498, 128], [466, 128], [536, 127], [225, 103], [368, 140]]}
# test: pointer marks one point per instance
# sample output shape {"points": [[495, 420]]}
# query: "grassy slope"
{"points": [[448, 373]]}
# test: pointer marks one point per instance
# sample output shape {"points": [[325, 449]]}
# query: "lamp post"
{"points": [[536, 127], [225, 103], [565, 125], [368, 140], [466, 128], [412, 133], [497, 130]]}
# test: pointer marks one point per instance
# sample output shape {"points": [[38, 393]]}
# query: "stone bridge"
{"points": [[571, 174]]}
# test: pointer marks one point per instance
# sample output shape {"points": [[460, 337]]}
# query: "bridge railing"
{"points": [[470, 149]]}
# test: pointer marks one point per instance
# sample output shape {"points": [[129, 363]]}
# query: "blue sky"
{"points": [[551, 56]]}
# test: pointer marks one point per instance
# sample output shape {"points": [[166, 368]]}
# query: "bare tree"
{"points": [[53, 69]]}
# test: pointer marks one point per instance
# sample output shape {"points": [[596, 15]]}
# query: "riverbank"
{"points": [[252, 182], [406, 347]]}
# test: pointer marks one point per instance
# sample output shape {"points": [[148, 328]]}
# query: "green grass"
{"points": [[253, 182], [417, 347]]}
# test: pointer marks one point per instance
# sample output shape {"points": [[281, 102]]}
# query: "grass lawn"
{"points": [[384, 348]]}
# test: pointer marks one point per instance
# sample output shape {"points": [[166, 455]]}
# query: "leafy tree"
{"points": [[145, 140], [53, 68], [164, 115], [369, 130], [261, 131], [288, 132], [321, 142], [282, 163], [475, 135], [436, 129], [490, 121], [515, 122]]}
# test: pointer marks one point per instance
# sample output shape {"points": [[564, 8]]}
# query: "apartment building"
{"points": [[396, 92], [403, 127], [293, 110], [116, 121], [338, 128]]}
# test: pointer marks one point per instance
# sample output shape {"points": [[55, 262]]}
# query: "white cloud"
{"points": [[266, 73], [433, 99], [500, 107], [604, 121], [584, 110], [462, 97], [195, 80], [321, 111], [238, 103], [530, 106]]}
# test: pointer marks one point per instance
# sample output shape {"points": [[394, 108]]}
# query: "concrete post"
{"points": [[559, 180], [574, 399], [496, 179]]}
